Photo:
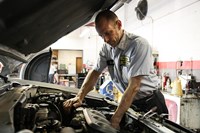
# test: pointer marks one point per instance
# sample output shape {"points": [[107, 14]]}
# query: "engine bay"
{"points": [[42, 111], [39, 109]]}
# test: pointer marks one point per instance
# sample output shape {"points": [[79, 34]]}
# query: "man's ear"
{"points": [[119, 24]]}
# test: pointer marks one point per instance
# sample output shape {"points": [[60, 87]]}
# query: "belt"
{"points": [[147, 98]]}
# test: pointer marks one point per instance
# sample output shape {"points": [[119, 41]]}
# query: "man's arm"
{"points": [[126, 101], [87, 86]]}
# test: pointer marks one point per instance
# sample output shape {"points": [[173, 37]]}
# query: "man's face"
{"points": [[110, 31]]}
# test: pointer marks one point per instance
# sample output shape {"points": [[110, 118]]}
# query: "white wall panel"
{"points": [[68, 57], [171, 27], [73, 41]]}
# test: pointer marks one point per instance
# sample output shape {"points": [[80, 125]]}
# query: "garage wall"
{"points": [[68, 57], [172, 28], [89, 44]]}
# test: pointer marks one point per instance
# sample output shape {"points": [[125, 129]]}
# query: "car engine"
{"points": [[37, 108], [42, 112]]}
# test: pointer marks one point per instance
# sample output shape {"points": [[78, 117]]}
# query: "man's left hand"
{"points": [[115, 122]]}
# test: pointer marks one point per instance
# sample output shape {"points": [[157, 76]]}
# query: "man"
{"points": [[52, 72], [130, 64]]}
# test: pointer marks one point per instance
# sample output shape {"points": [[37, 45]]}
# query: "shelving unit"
{"points": [[69, 63], [55, 56]]}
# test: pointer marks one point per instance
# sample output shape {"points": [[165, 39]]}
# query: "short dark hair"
{"points": [[107, 14]]}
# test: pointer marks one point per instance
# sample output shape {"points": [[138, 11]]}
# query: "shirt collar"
{"points": [[122, 44]]}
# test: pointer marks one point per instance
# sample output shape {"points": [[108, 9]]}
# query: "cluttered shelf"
{"points": [[69, 80]]}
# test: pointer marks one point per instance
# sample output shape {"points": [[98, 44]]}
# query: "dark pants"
{"points": [[147, 103]]}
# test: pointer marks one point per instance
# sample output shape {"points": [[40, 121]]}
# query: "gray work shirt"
{"points": [[130, 58]]}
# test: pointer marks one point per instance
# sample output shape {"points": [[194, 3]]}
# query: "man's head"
{"points": [[109, 27]]}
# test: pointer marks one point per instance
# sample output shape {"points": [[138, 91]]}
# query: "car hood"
{"points": [[30, 26]]}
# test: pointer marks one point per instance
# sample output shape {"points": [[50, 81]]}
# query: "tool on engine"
{"points": [[146, 115]]}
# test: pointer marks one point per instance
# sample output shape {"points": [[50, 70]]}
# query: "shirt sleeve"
{"points": [[141, 61], [102, 60]]}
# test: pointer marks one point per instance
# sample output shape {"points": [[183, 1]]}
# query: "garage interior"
{"points": [[37, 82], [172, 29]]}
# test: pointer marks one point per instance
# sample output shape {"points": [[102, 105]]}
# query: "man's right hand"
{"points": [[73, 102]]}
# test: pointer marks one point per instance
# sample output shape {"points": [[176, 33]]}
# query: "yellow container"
{"points": [[177, 88]]}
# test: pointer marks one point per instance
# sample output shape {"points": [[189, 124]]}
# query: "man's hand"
{"points": [[86, 87], [115, 122], [127, 99], [73, 102]]}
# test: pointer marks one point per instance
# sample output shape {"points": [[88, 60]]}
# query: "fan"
{"points": [[141, 9]]}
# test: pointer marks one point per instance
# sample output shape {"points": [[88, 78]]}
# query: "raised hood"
{"points": [[29, 26]]}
